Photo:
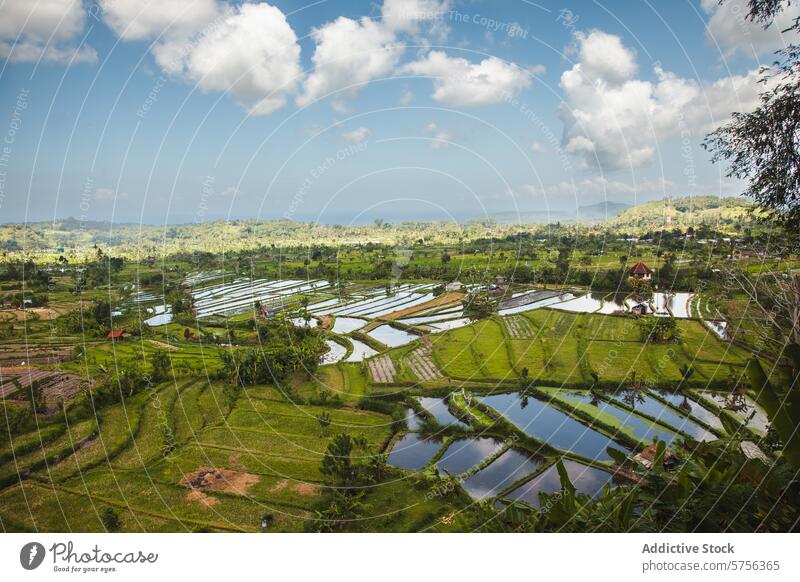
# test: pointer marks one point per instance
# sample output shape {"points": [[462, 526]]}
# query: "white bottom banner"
{"points": [[398, 557]]}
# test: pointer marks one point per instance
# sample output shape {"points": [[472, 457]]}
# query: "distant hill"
{"points": [[589, 213], [723, 214], [602, 210], [727, 215]]}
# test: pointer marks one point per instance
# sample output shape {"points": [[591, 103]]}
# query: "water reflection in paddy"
{"points": [[432, 318], [391, 336], [613, 303], [586, 480], [413, 421], [438, 408], [413, 452], [551, 426], [649, 405], [588, 303], [504, 471], [759, 421], [464, 454], [536, 304], [162, 319], [361, 351], [641, 428], [693, 408], [452, 324], [347, 324], [335, 353], [677, 303]]}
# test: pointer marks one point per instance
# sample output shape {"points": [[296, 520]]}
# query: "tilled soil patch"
{"points": [[215, 479]]}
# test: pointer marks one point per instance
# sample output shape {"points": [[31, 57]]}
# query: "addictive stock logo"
{"points": [[31, 555]]}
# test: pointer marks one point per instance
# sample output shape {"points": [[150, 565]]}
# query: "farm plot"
{"points": [[519, 327], [20, 378], [15, 355], [241, 295], [474, 351], [381, 369], [421, 363], [441, 301]]}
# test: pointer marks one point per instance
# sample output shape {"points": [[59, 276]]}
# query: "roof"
{"points": [[648, 455], [641, 269], [116, 333]]}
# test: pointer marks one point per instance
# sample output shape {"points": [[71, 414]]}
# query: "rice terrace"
{"points": [[298, 388], [400, 266]]}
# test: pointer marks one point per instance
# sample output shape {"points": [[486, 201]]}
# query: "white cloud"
{"points": [[43, 29], [441, 138], [143, 19], [602, 56], [613, 120], [459, 83], [247, 50], [349, 53], [729, 28], [357, 135], [412, 16], [253, 54], [536, 147]]}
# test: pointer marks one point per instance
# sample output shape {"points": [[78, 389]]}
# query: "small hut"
{"points": [[117, 335], [641, 271]]}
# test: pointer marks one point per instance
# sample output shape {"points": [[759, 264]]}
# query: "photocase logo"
{"points": [[31, 555]]}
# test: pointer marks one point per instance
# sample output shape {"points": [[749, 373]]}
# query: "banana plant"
{"points": [[782, 407]]}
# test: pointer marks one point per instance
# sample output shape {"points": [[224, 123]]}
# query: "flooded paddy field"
{"points": [[551, 426], [464, 454], [585, 479], [645, 403], [413, 451], [500, 474]]}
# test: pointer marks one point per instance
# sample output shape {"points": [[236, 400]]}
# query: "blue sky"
{"points": [[177, 111]]}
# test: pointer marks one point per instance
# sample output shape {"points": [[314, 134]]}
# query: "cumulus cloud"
{"points": [[613, 120], [252, 53], [349, 53], [142, 20], [729, 28], [460, 83], [248, 50], [49, 30], [357, 135]]}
